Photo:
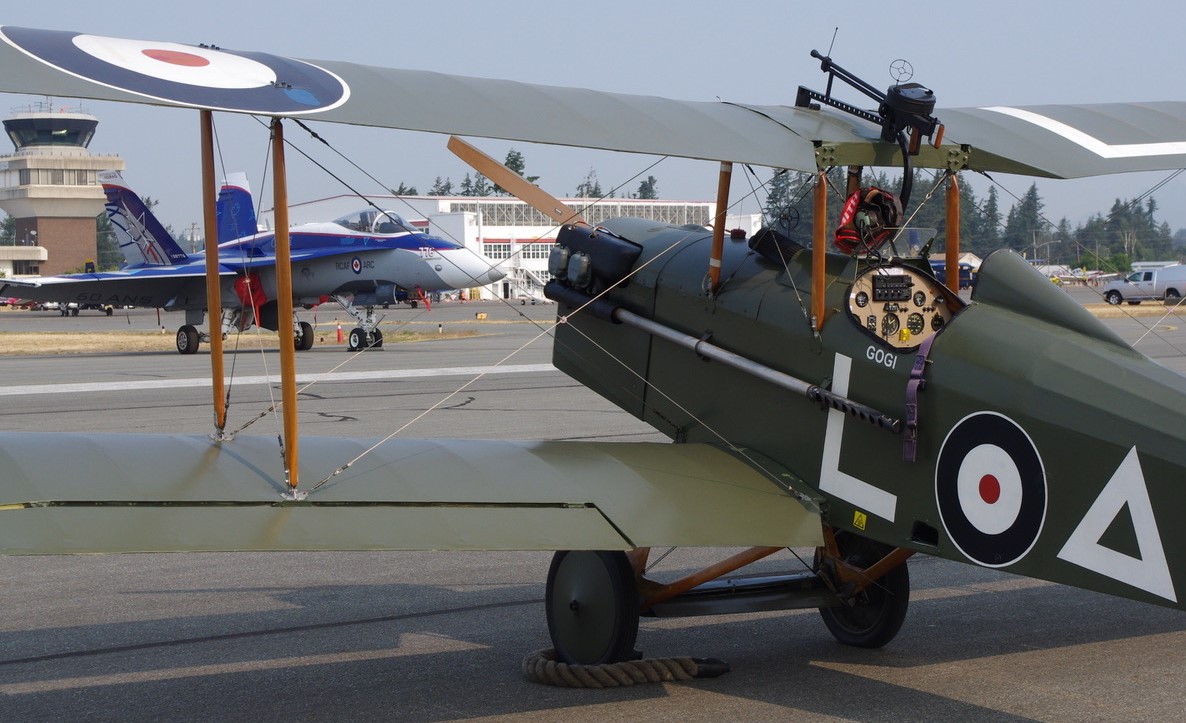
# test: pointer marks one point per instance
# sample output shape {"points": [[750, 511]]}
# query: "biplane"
{"points": [[844, 399]]}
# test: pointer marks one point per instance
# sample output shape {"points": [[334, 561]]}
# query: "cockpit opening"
{"points": [[370, 220]]}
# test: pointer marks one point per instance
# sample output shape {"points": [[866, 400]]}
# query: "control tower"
{"points": [[51, 189]]}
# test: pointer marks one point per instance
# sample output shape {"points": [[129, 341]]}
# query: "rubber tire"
{"points": [[1134, 303], [187, 340], [880, 609], [357, 339], [1113, 297], [1172, 294], [592, 607], [304, 342], [377, 339], [109, 310]]}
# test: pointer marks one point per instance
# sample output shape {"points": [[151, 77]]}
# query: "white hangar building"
{"points": [[505, 229]]}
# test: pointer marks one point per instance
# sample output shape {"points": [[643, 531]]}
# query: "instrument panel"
{"points": [[900, 306]]}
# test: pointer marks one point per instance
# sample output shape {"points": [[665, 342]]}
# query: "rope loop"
{"points": [[542, 667]]}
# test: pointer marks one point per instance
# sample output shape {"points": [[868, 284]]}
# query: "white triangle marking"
{"points": [[1150, 572]]}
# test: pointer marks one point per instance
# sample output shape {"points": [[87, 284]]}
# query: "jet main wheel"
{"points": [[877, 613], [304, 342], [187, 340], [376, 339], [592, 607]]}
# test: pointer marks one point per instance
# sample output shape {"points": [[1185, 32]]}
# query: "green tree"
{"points": [[516, 163], [1024, 222], [8, 231], [986, 225], [404, 190], [590, 187], [648, 189], [441, 188], [109, 257]]}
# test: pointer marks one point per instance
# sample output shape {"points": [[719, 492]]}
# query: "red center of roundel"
{"points": [[176, 58], [990, 489]]}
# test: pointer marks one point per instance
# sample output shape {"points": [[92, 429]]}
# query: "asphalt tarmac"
{"points": [[441, 636]]}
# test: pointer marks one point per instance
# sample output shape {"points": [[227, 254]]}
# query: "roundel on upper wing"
{"points": [[990, 487], [202, 76]]}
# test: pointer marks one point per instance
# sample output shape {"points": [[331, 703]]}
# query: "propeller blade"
{"points": [[513, 183]]}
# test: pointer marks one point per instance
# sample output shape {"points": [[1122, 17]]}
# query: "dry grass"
{"points": [[36, 343]]}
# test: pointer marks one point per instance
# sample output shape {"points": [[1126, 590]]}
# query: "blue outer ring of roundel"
{"points": [[356, 265], [306, 88]]}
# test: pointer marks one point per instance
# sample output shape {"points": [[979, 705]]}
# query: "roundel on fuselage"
{"points": [[990, 487]]}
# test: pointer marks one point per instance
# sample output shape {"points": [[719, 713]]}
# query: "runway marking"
{"points": [[409, 644], [195, 382]]}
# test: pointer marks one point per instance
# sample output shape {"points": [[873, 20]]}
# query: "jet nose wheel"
{"points": [[592, 607], [359, 339], [875, 614]]}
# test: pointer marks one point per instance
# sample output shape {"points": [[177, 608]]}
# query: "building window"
{"points": [[497, 251], [26, 268]]}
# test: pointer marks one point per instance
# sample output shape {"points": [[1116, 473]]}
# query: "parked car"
{"points": [[1167, 282]]}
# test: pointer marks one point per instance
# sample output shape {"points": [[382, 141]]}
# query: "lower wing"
{"points": [[131, 493]]}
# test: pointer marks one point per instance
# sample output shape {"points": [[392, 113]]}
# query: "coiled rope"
{"points": [[542, 667]]}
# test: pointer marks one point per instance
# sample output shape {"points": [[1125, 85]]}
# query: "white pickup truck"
{"points": [[1167, 282]]}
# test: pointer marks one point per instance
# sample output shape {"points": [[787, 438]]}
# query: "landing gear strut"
{"points": [[366, 335], [594, 599]]}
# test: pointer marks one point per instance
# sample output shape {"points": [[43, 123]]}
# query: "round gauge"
{"points": [[936, 322], [915, 323], [862, 299], [920, 299], [890, 325]]}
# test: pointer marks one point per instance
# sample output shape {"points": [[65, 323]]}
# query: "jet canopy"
{"points": [[370, 220]]}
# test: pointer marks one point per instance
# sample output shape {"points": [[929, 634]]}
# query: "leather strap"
{"points": [[916, 384]]}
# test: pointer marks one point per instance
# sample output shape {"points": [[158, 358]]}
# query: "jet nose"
{"points": [[490, 275], [471, 269]]}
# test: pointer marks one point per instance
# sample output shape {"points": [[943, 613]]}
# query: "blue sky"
{"points": [[969, 53]]}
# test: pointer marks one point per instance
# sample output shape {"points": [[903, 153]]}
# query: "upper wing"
{"points": [[112, 493], [1082, 140]]}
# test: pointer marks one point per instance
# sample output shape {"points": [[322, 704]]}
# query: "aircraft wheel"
{"points": [[357, 339], [877, 613], [592, 607], [413, 303], [377, 339], [304, 342], [187, 340], [109, 310], [1112, 297]]}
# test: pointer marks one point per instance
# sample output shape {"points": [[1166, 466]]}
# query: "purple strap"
{"points": [[916, 384]]}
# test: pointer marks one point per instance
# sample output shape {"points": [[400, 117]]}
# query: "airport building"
{"points": [[50, 187], [507, 230]]}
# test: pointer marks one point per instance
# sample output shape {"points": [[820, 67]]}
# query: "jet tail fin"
{"points": [[236, 214], [142, 239]]}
